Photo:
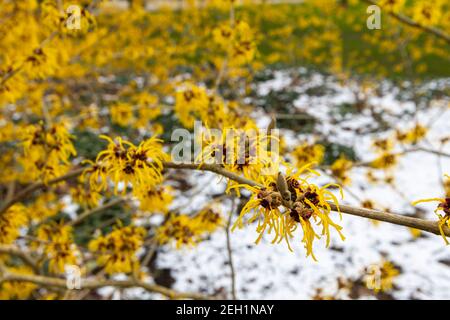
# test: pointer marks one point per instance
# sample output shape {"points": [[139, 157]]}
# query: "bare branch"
{"points": [[36, 186], [93, 211], [411, 222], [23, 255], [46, 281], [424, 225]]}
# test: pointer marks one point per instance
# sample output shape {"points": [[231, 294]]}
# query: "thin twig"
{"points": [[404, 152], [151, 252], [230, 250], [91, 212], [36, 186], [21, 254], [212, 168], [46, 281], [10, 191], [436, 152]]}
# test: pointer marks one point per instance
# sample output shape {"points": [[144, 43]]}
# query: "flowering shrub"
{"points": [[92, 93]]}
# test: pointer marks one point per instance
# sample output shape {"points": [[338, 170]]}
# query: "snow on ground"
{"points": [[267, 271]]}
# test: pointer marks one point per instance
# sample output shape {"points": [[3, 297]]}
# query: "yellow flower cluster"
{"points": [[244, 151], [444, 219], [392, 5], [123, 162], [185, 230], [195, 103], [416, 134], [46, 152], [58, 245], [237, 40], [190, 101], [46, 205], [340, 169], [117, 250], [66, 20], [279, 208], [155, 200], [122, 114], [381, 276], [10, 223], [447, 186], [412, 136], [308, 153], [385, 160], [17, 289], [148, 108], [428, 13], [85, 197]]}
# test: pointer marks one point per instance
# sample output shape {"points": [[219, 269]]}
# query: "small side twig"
{"points": [[86, 214], [14, 250], [230, 250]]}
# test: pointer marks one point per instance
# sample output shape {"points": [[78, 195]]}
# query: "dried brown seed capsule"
{"points": [[269, 199], [299, 210], [445, 206], [312, 196]]}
